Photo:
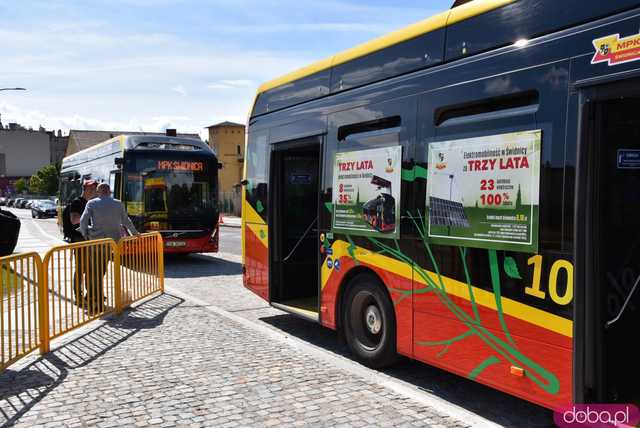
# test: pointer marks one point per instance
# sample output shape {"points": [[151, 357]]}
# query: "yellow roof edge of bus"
{"points": [[414, 30], [441, 20], [297, 74]]}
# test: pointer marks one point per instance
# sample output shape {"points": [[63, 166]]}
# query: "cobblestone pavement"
{"points": [[169, 362], [217, 280]]}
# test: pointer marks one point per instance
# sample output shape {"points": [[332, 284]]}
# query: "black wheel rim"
{"points": [[366, 320]]}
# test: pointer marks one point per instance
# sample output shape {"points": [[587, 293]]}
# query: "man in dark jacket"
{"points": [[70, 222]]}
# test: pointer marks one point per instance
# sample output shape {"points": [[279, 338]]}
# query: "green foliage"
{"points": [[412, 174], [34, 184], [45, 180], [21, 185], [503, 351], [511, 268], [329, 206]]}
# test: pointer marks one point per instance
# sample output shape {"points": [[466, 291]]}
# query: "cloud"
{"points": [[180, 89], [331, 27], [36, 118], [231, 84], [96, 68], [83, 87]]}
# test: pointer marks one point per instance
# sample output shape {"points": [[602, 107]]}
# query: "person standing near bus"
{"points": [[70, 221], [103, 217]]}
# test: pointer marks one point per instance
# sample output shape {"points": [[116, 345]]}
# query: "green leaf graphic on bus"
{"points": [[503, 350]]}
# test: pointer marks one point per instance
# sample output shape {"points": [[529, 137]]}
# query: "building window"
{"points": [[238, 149]]}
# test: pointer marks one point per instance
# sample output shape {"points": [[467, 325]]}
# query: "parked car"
{"points": [[30, 202], [18, 202], [9, 231], [43, 208], [3, 201]]}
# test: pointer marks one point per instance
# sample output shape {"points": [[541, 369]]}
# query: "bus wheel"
{"points": [[369, 322]]}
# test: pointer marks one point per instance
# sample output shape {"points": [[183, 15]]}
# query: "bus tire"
{"points": [[368, 322]]}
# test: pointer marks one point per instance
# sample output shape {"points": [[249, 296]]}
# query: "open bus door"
{"points": [[294, 256], [607, 231]]}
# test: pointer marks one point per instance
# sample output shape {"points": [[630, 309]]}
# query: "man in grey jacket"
{"points": [[103, 217]]}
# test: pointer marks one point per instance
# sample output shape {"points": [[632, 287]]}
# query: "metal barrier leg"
{"points": [[160, 262], [43, 309], [117, 274]]}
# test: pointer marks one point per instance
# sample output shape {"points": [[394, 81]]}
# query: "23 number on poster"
{"points": [[498, 190]]}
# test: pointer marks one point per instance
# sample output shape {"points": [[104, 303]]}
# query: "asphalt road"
{"points": [[230, 241]]}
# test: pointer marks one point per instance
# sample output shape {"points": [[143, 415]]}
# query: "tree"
{"points": [[21, 185], [45, 180], [34, 184]]}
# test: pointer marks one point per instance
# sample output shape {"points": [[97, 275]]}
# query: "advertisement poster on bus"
{"points": [[484, 192], [366, 192]]}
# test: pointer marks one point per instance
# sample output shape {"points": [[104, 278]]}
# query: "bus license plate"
{"points": [[175, 244]]}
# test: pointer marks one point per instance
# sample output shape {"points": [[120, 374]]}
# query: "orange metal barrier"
{"points": [[20, 295], [74, 284], [81, 280], [142, 266]]}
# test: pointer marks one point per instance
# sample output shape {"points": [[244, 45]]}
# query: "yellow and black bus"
{"points": [[168, 184], [508, 130]]}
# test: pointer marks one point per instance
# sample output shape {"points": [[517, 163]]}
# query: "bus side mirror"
{"points": [[244, 182], [119, 161], [219, 165]]}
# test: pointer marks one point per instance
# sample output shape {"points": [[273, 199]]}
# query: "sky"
{"points": [[148, 65]]}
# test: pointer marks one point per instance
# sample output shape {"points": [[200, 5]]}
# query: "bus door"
{"points": [[293, 226], [607, 221]]}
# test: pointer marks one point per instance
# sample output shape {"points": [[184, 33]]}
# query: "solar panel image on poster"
{"points": [[443, 212]]}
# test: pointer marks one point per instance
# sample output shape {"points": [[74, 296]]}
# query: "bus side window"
{"points": [[115, 178], [70, 187], [375, 126]]}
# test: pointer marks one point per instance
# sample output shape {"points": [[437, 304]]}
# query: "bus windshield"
{"points": [[168, 193]]}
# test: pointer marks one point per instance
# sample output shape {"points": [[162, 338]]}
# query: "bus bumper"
{"points": [[205, 244]]}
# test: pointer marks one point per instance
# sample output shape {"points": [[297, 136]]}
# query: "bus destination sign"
{"points": [[177, 165]]}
